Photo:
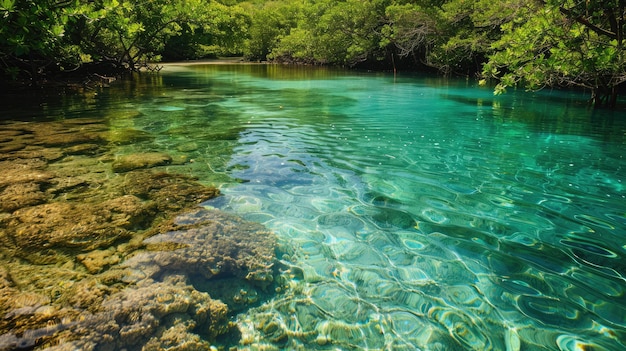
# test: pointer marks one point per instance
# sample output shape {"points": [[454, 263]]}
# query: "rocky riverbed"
{"points": [[101, 251]]}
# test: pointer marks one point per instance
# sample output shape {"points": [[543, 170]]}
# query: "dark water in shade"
{"points": [[415, 213]]}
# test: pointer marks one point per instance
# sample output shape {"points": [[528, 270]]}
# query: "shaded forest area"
{"points": [[529, 44]]}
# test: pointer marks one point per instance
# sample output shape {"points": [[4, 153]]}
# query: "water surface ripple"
{"points": [[421, 215], [413, 213]]}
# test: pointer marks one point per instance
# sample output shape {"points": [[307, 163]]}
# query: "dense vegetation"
{"points": [[528, 43]]}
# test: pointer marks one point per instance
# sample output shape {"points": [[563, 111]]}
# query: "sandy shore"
{"points": [[218, 61]]}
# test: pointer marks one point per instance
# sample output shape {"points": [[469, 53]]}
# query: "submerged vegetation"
{"points": [[529, 43]]}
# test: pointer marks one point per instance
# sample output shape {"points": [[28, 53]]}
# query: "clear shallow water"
{"points": [[425, 214], [413, 213]]}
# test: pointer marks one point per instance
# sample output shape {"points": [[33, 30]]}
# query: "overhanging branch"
{"points": [[584, 21]]}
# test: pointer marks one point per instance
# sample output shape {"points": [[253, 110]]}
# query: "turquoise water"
{"points": [[423, 214], [413, 213]]}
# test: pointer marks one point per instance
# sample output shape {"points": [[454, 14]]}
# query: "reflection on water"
{"points": [[411, 213]]}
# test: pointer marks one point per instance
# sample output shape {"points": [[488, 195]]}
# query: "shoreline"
{"points": [[218, 61], [92, 76]]}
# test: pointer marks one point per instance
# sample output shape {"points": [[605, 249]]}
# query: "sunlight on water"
{"points": [[428, 215], [412, 213]]}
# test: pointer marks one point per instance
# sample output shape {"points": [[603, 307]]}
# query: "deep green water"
{"points": [[414, 213]]}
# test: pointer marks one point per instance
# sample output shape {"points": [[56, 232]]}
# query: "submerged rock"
{"points": [[170, 192], [159, 315], [41, 233], [24, 171], [147, 301], [95, 261], [140, 160], [82, 149], [211, 243], [188, 147], [16, 196], [82, 131], [21, 183], [149, 315], [127, 136], [76, 269]]}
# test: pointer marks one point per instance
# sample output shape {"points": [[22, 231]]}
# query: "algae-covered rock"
{"points": [[23, 171], [36, 233], [88, 294], [212, 243], [49, 154], [21, 183], [140, 160], [170, 192], [40, 230], [30, 317], [167, 314], [95, 261], [127, 136], [112, 306], [10, 146], [47, 140], [83, 149], [188, 147], [82, 131], [13, 139], [16, 196], [177, 337], [74, 269], [139, 311], [151, 315]]}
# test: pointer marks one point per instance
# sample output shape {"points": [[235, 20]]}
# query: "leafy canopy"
{"points": [[525, 43], [59, 35], [563, 43]]}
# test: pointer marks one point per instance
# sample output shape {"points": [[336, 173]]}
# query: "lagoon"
{"points": [[409, 212]]}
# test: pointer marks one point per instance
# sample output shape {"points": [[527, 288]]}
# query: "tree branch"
{"points": [[582, 20]]}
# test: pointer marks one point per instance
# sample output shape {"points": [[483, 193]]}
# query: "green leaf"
{"points": [[499, 89], [7, 5], [58, 30]]}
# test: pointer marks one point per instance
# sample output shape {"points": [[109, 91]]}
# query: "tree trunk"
{"points": [[612, 100], [604, 97], [594, 99]]}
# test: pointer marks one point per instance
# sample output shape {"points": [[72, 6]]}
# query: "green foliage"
{"points": [[450, 35], [412, 29], [467, 30], [130, 35], [50, 35], [563, 44], [529, 43], [350, 32], [322, 31], [220, 32], [271, 22], [30, 32]]}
